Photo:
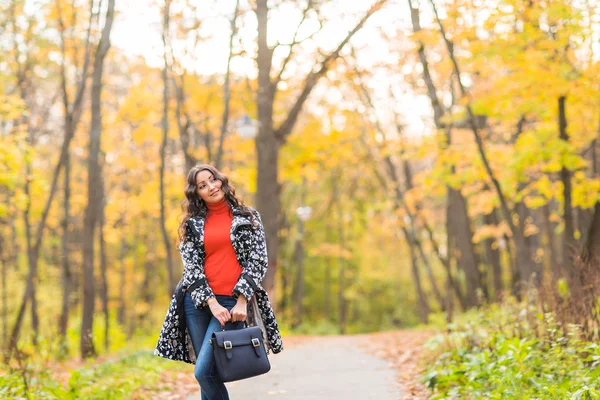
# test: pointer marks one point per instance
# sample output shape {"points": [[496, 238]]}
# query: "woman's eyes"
{"points": [[212, 179]]}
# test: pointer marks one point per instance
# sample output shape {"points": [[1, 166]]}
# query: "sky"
{"points": [[137, 31]]}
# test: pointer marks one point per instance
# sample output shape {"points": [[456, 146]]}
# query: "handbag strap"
{"points": [[194, 285]]}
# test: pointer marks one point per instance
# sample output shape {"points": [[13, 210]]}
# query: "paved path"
{"points": [[326, 368]]}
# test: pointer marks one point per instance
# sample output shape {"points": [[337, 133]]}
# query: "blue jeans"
{"points": [[201, 324]]}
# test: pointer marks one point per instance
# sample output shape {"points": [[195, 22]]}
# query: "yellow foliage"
{"points": [[330, 250]]}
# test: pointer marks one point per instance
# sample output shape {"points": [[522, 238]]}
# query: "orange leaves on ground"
{"points": [[405, 352]]}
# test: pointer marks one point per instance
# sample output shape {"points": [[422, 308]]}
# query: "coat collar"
{"points": [[238, 220]]}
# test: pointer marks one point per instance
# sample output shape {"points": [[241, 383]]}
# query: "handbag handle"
{"points": [[245, 323]]}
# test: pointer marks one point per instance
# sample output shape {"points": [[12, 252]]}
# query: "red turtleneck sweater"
{"points": [[221, 266]]}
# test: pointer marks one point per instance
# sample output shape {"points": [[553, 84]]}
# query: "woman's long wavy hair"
{"points": [[194, 206]]}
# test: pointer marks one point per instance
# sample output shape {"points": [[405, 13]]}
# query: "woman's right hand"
{"points": [[218, 311]]}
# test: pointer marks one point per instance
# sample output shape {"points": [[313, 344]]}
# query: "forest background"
{"points": [[409, 159]]}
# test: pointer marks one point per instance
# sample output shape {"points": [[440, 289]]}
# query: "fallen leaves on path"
{"points": [[178, 385], [174, 385], [404, 350]]}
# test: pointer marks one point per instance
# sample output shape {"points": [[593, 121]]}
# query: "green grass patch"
{"points": [[118, 378], [512, 351]]}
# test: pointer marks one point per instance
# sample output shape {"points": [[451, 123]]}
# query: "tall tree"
{"points": [[94, 188], [459, 232], [24, 65], [163, 146], [227, 87], [565, 176], [524, 261], [72, 114], [103, 264], [270, 138]]}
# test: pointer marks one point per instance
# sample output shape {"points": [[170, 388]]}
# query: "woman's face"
{"points": [[208, 187]]}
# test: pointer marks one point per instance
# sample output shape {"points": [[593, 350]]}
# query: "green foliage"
{"points": [[114, 379], [513, 352], [320, 327]]}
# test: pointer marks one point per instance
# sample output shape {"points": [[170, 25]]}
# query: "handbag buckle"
{"points": [[227, 344], [255, 342]]}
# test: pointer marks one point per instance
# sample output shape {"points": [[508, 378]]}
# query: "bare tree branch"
{"points": [[227, 88], [313, 77], [295, 42]]}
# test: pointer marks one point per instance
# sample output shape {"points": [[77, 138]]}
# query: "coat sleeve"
{"points": [[193, 269], [255, 268]]}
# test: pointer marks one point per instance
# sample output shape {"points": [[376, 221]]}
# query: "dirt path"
{"points": [[328, 368]]}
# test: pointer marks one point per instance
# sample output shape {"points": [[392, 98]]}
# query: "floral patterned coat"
{"points": [[250, 246]]}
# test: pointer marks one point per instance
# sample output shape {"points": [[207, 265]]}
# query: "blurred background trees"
{"points": [[406, 157]]}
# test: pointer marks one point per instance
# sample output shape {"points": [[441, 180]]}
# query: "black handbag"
{"points": [[240, 353]]}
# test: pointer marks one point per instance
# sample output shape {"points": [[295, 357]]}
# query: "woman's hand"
{"points": [[218, 311], [238, 312]]}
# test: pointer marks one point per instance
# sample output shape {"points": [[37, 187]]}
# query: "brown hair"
{"points": [[194, 206]]}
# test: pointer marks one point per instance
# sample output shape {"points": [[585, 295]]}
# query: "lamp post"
{"points": [[304, 213], [246, 127]]}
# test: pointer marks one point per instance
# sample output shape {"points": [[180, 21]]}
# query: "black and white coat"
{"points": [[250, 245]]}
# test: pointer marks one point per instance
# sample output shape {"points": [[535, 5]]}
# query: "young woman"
{"points": [[224, 252]]}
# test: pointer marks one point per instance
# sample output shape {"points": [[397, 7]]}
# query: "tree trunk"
{"points": [[327, 278], [299, 256], [342, 303], [94, 190], [66, 265], [163, 150], [583, 218], [409, 185], [286, 271], [267, 148], [15, 245], [269, 140], [14, 336], [267, 201], [462, 242], [515, 272], [122, 279], [569, 244], [4, 295], [429, 271], [72, 113], [299, 288], [550, 243], [424, 308], [492, 256], [438, 108], [35, 321], [147, 294], [183, 124], [103, 266], [591, 250]]}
